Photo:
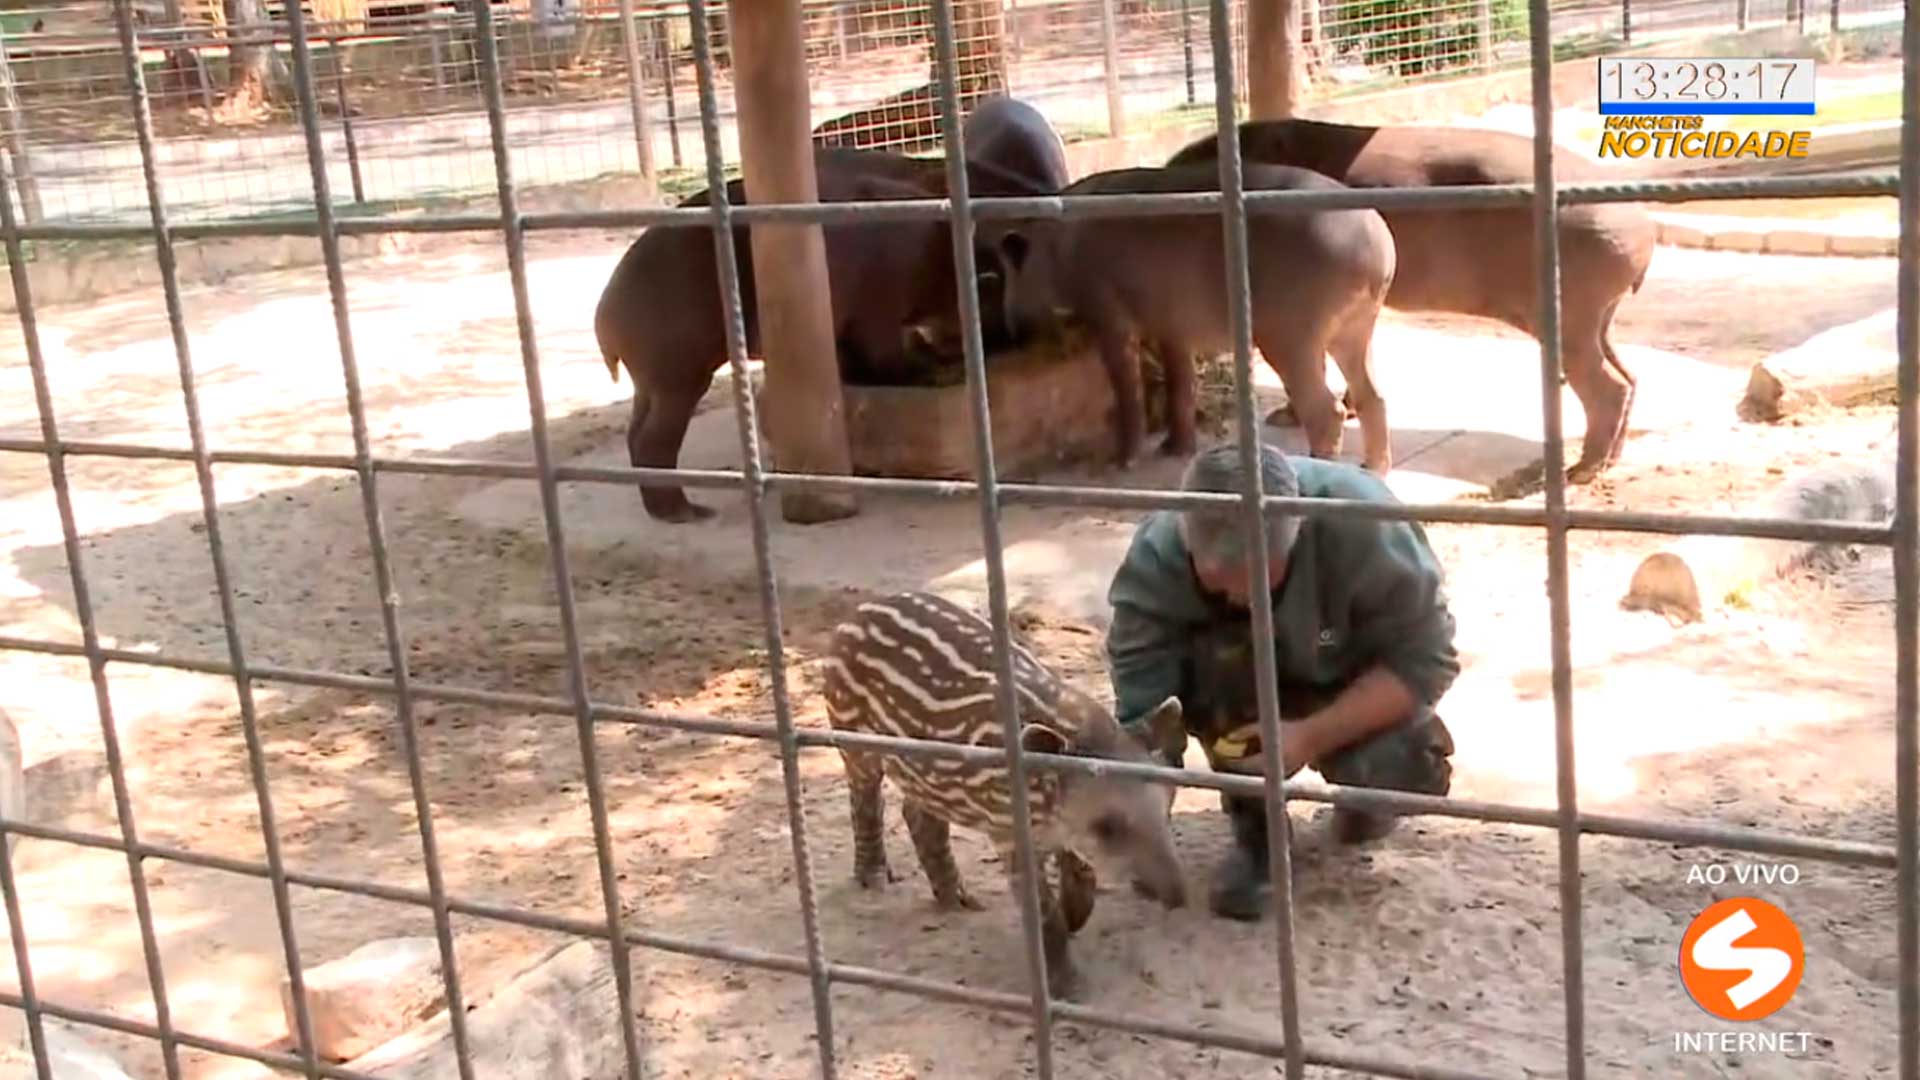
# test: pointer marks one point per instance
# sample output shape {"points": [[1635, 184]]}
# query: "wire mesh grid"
{"points": [[1234, 204]]}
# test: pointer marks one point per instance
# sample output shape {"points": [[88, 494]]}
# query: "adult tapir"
{"points": [[1015, 137], [1318, 280], [1481, 262], [660, 313]]}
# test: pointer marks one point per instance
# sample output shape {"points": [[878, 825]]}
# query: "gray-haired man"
{"points": [[1363, 646]]}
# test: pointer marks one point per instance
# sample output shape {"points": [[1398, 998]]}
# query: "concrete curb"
{"points": [[1771, 237]]}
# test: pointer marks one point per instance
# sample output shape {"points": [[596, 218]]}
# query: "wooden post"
{"points": [[805, 413], [1484, 12], [1109, 44], [637, 93], [11, 129], [663, 43], [1275, 79], [1186, 43]]}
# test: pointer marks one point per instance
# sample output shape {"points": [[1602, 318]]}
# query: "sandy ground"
{"points": [[1439, 945]]}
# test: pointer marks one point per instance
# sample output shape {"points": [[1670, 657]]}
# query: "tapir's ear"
{"points": [[1013, 248], [1165, 728], [1041, 739]]}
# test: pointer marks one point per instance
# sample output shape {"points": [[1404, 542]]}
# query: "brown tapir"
{"points": [[1014, 136], [1318, 280], [1480, 262], [660, 313]]}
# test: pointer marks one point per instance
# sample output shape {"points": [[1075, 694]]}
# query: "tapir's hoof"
{"points": [[1063, 982], [959, 900], [1360, 827], [1586, 470], [875, 877], [1178, 445], [679, 512], [1240, 888]]}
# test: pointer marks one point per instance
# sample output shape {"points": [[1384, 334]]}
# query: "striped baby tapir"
{"points": [[919, 666]]}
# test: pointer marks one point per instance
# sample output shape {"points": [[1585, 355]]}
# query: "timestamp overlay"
{"points": [[1661, 106]]}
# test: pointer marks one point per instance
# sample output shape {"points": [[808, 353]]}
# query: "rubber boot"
{"points": [[1242, 882], [1412, 757]]}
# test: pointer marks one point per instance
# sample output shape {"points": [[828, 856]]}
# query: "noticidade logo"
{"points": [[1741, 959], [1683, 137]]}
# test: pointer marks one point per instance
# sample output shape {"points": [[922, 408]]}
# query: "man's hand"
{"points": [[1299, 747], [1374, 702]]}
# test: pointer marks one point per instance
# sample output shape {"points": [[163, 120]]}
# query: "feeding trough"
{"points": [[1050, 403]]}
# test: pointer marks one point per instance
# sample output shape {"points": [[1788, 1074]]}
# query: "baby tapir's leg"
{"points": [[866, 800], [1077, 886], [932, 840], [1063, 981]]}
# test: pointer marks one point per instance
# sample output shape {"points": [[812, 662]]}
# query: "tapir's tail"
{"points": [[613, 362]]}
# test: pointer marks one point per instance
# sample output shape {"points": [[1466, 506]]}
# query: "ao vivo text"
{"points": [[1743, 874]]}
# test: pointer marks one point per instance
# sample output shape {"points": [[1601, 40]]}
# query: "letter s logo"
{"points": [[1741, 959]]}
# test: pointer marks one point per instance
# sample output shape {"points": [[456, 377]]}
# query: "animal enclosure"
{"points": [[434, 693]]}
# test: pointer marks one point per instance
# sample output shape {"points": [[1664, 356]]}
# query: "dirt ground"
{"points": [[1439, 945]]}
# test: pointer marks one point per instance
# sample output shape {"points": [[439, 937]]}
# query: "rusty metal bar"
{"points": [[1546, 248], [210, 512], [726, 261], [346, 124], [29, 1001], [515, 239], [1771, 528], [1906, 561], [637, 94], [1259, 572], [1005, 692], [1408, 803], [1875, 184], [307, 89], [1110, 67]]}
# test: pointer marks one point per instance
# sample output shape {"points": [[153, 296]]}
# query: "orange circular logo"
{"points": [[1741, 959]]}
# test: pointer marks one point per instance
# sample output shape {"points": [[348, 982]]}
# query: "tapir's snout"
{"points": [[1172, 890], [1161, 876]]}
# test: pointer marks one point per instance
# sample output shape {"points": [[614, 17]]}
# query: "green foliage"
{"points": [[1418, 37]]}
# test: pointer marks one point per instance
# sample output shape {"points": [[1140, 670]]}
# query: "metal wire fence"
{"points": [[1544, 198], [603, 90]]}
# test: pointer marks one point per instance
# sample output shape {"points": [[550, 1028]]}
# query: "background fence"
{"points": [[403, 120]]}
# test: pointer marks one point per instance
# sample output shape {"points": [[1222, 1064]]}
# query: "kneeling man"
{"points": [[1363, 647]]}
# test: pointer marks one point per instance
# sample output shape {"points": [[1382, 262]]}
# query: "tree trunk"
{"points": [[805, 417], [1275, 80], [249, 62]]}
